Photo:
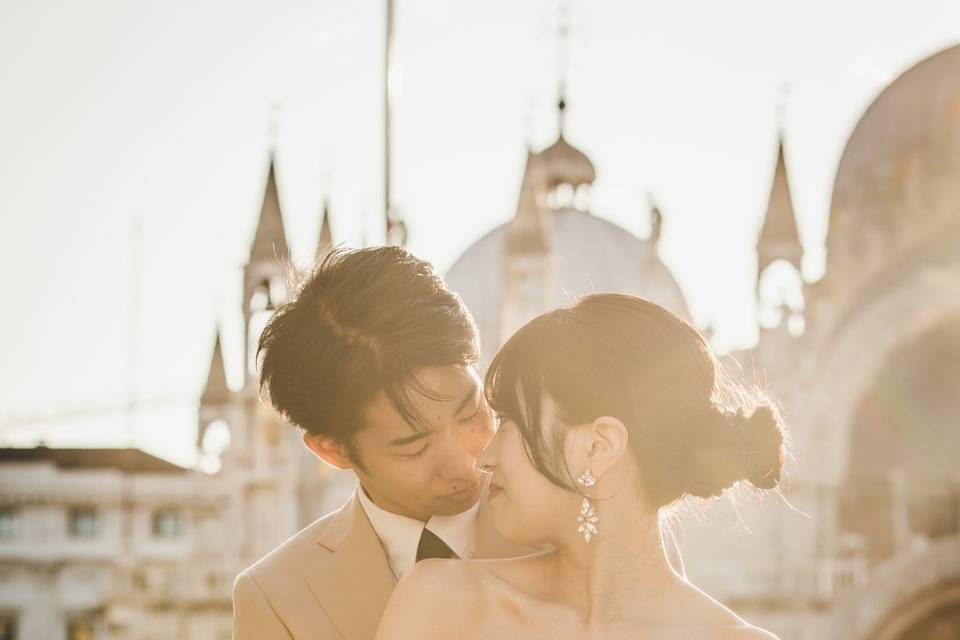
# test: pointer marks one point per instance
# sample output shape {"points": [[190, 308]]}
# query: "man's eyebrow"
{"points": [[470, 395], [464, 401], [399, 442]]}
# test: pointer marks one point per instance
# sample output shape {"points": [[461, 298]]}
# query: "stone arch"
{"points": [[851, 361], [901, 593]]}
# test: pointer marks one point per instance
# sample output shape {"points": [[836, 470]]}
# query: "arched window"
{"points": [[216, 440]]}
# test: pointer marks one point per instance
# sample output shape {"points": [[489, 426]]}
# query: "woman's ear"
{"points": [[328, 449], [607, 444], [598, 445]]}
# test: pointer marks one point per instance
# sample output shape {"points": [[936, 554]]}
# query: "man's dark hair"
{"points": [[361, 322]]}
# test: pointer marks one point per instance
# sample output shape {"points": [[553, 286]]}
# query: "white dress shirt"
{"points": [[400, 535]]}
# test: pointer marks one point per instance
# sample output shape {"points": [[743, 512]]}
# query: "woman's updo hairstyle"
{"points": [[692, 429]]}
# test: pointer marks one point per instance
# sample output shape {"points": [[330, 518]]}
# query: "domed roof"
{"points": [[592, 255], [899, 177], [565, 164]]}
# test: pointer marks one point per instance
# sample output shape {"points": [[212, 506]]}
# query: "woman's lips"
{"points": [[495, 490]]}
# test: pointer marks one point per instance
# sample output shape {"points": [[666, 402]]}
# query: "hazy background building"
{"points": [[864, 543]]}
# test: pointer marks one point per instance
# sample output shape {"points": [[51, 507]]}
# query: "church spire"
{"points": [[779, 239], [563, 63], [270, 241], [216, 390], [563, 163], [325, 243], [529, 230], [263, 275], [561, 113], [656, 221]]}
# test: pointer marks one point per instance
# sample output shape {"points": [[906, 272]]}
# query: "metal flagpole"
{"points": [[388, 80]]}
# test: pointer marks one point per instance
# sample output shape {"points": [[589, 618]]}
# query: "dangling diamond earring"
{"points": [[588, 518]]}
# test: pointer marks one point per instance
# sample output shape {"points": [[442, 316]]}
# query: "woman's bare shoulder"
{"points": [[467, 579], [434, 600], [435, 579]]}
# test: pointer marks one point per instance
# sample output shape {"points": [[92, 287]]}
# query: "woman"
{"points": [[611, 411]]}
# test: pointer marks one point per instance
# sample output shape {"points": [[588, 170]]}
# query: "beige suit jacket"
{"points": [[331, 580]]}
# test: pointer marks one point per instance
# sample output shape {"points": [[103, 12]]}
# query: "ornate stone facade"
{"points": [[863, 544], [555, 250], [870, 546], [98, 544]]}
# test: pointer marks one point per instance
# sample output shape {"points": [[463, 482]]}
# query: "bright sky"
{"points": [[118, 110]]}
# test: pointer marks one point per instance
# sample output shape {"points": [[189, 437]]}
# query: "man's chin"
{"points": [[451, 505]]}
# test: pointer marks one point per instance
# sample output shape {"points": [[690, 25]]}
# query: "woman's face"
{"points": [[527, 508]]}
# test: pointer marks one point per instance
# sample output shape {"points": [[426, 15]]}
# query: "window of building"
{"points": [[139, 580], [167, 523], [8, 626], [8, 527], [83, 522], [214, 581], [80, 629]]}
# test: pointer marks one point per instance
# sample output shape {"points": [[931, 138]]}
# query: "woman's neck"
{"points": [[623, 567]]}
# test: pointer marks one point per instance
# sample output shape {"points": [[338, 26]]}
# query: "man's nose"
{"points": [[463, 448]]}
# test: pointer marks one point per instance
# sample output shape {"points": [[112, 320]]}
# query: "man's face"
{"points": [[433, 471]]}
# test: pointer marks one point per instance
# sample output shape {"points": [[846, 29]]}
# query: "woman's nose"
{"points": [[488, 457], [459, 459]]}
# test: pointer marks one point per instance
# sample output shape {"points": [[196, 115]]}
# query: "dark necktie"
{"points": [[431, 546]]}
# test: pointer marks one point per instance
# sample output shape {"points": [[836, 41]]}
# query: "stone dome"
{"points": [[565, 164], [592, 255], [899, 177]]}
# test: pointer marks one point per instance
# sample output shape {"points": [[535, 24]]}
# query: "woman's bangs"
{"points": [[516, 384], [512, 381]]}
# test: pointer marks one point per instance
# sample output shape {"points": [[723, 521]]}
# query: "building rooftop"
{"points": [[130, 460]]}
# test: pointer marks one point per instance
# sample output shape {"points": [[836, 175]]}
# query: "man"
{"points": [[373, 359]]}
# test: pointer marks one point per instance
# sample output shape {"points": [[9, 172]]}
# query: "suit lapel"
{"points": [[354, 582]]}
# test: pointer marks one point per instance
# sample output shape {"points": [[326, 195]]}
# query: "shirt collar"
{"points": [[400, 535]]}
